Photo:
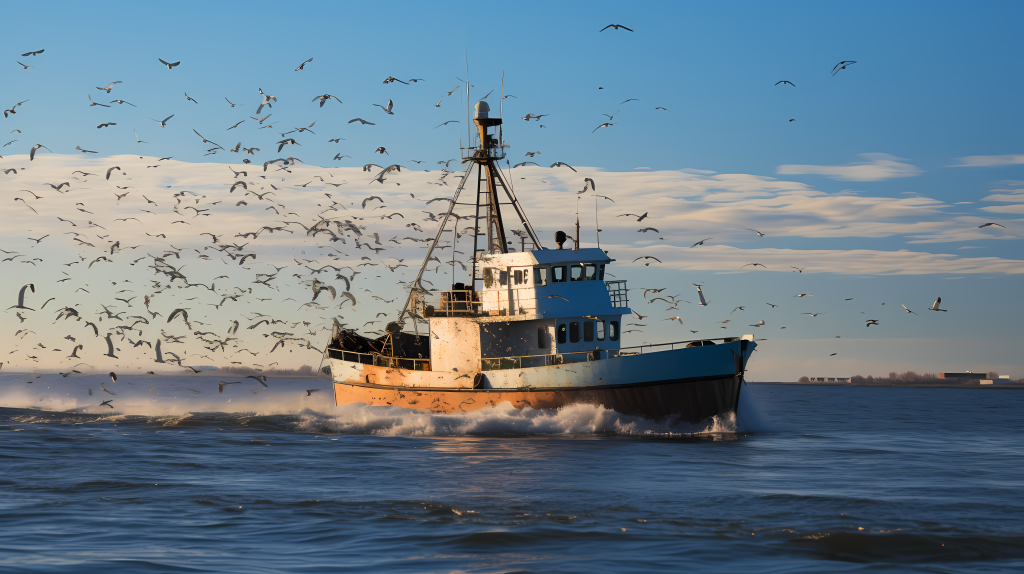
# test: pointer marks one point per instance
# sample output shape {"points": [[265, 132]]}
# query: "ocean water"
{"points": [[178, 477]]}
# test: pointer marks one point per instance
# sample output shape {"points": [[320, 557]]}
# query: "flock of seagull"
{"points": [[138, 311]]}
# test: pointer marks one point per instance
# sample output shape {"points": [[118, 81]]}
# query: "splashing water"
{"points": [[175, 401], [502, 419]]}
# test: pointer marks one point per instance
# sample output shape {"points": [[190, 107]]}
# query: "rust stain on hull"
{"points": [[693, 401]]}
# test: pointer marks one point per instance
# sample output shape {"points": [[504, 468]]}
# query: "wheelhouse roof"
{"points": [[546, 257]]}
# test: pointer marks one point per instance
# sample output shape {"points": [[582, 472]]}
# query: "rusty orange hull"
{"points": [[691, 400]]}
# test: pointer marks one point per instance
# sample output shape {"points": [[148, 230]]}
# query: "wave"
{"points": [[504, 420]]}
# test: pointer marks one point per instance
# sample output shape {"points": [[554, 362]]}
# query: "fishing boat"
{"points": [[534, 327]]}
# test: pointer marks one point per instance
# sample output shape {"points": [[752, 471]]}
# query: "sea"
{"points": [[182, 474]]}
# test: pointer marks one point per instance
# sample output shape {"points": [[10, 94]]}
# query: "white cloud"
{"points": [[1017, 208], [879, 166], [847, 262], [989, 160]]}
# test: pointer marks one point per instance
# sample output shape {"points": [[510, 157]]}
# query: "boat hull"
{"points": [[690, 400]]}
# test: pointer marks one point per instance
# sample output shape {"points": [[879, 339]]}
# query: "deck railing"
{"points": [[639, 349], [380, 360], [458, 302], [530, 361]]}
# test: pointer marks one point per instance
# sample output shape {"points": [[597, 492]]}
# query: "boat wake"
{"points": [[286, 406], [503, 420]]}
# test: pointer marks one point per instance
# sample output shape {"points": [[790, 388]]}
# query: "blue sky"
{"points": [[933, 83]]}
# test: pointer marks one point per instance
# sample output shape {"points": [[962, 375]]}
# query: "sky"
{"points": [[872, 180]]}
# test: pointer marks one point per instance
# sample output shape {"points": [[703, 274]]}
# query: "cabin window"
{"points": [[600, 272], [613, 330], [542, 338], [577, 272], [588, 331], [561, 333], [574, 332], [600, 330], [589, 272], [540, 276], [518, 277], [503, 277], [558, 274]]}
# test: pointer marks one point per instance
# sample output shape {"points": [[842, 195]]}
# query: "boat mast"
{"points": [[490, 148]]}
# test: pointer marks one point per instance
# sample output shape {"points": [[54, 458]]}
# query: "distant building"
{"points": [[967, 375]]}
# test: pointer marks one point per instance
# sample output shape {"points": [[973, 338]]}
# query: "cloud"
{"points": [[989, 160], [1016, 208], [879, 167], [848, 262]]}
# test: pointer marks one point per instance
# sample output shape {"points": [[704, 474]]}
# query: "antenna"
{"points": [[597, 226], [576, 244]]}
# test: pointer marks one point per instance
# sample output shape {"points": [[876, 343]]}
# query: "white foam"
{"points": [[169, 400]]}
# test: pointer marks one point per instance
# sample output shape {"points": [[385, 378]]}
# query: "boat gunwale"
{"points": [[542, 389]]}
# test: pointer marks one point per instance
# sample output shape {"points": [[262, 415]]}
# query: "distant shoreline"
{"points": [[900, 385]]}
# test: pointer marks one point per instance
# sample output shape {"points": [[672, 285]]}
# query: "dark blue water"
{"points": [[837, 480]]}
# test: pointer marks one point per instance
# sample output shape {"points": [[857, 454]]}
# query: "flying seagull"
{"points": [[785, 82], [168, 64], [842, 66], [647, 257], [302, 66], [990, 225], [32, 152], [616, 26], [934, 307], [109, 87], [163, 123], [21, 297], [266, 102], [110, 348], [325, 98]]}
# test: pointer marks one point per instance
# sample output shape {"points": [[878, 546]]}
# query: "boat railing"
{"points": [[639, 349], [496, 152], [530, 361], [379, 360], [458, 302]]}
